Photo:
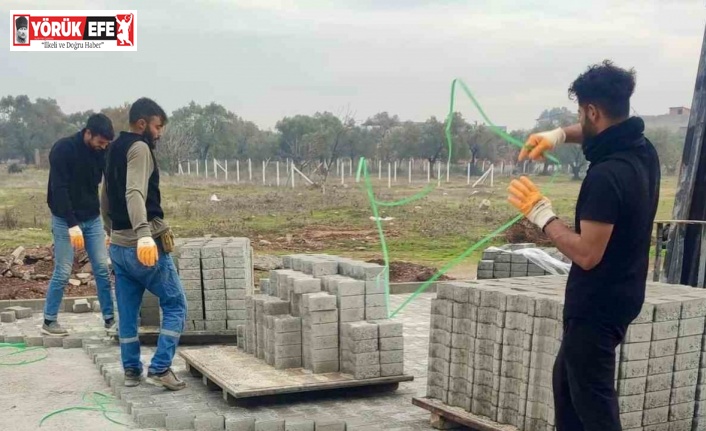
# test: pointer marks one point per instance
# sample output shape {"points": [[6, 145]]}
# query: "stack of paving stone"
{"points": [[493, 345], [502, 262], [319, 300], [217, 276]]}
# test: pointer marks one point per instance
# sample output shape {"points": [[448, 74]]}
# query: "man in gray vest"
{"points": [[141, 243]]}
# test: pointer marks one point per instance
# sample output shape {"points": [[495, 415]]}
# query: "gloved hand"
{"points": [[147, 251], [538, 143], [76, 237], [527, 198]]}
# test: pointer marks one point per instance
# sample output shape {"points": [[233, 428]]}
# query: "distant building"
{"points": [[679, 110], [677, 119]]}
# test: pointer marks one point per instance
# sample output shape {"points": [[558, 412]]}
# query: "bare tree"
{"points": [[176, 146]]}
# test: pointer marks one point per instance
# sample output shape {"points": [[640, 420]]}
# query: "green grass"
{"points": [[432, 230]]}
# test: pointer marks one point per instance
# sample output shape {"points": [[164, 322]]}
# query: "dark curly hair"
{"points": [[606, 86], [145, 108]]}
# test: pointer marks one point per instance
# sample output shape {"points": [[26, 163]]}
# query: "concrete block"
{"points": [[685, 378], [210, 263], [179, 420], [663, 348], [319, 301], [678, 412], [236, 273], [209, 422], [214, 284], [215, 325], [34, 340], [299, 425], [689, 344], [387, 370], [484, 275], [325, 367], [7, 316], [285, 363], [212, 274], [189, 264], [276, 307], [351, 302], [361, 330], [81, 306], [655, 416], [374, 300], [376, 313], [269, 425], [214, 305], [686, 361], [287, 324], [370, 372], [362, 346], [240, 424], [392, 357], [659, 382], [190, 274], [21, 312], [318, 317], [236, 284], [235, 294], [49, 341], [72, 342], [211, 295], [636, 351], [350, 287], [324, 329], [392, 343], [149, 417], [691, 327]]}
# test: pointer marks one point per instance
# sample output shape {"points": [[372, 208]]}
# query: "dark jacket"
{"points": [[75, 171]]}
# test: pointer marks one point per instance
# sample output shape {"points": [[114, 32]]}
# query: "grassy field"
{"points": [[432, 230]]}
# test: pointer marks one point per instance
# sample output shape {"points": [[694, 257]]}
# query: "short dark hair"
{"points": [[100, 124], [606, 86], [144, 109]]}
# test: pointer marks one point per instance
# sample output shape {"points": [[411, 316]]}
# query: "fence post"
{"points": [[237, 171], [428, 166], [215, 169], [263, 173], [250, 169], [205, 168], [409, 173], [448, 171], [438, 174], [389, 175], [226, 163], [468, 174], [277, 164]]}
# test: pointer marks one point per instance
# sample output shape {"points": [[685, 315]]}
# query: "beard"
{"points": [[588, 129], [149, 138]]}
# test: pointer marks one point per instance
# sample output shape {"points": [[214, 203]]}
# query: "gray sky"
{"points": [[266, 59]]}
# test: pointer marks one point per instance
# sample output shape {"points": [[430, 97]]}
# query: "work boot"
{"points": [[53, 328], [132, 377], [167, 379]]}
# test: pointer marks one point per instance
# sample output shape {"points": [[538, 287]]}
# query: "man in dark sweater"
{"points": [[76, 166], [609, 248], [141, 244]]}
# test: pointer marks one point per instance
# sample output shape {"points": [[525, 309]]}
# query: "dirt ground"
{"points": [[404, 272], [15, 288]]}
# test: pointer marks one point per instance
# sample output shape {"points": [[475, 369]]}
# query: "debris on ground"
{"points": [[267, 262], [405, 272], [525, 231], [24, 274]]}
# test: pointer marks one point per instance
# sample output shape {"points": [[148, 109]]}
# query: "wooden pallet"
{"points": [[242, 376], [447, 417], [150, 334]]}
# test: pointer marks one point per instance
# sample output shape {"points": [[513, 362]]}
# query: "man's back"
{"points": [[622, 188]]}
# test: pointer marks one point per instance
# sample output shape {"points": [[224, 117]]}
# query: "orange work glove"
{"points": [[76, 238], [527, 198], [107, 241], [147, 251], [538, 143]]}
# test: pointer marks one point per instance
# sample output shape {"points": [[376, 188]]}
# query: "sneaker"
{"points": [[132, 378], [110, 324], [53, 328], [167, 380]]}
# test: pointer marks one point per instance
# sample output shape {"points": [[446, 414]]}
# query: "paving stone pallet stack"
{"points": [[493, 345], [217, 276], [501, 262], [325, 314]]}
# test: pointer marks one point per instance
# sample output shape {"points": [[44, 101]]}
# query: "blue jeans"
{"points": [[131, 280], [94, 239]]}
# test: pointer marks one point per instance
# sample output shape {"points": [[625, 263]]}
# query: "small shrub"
{"points": [[15, 168]]}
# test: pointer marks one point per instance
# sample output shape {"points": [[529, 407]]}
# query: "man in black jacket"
{"points": [[609, 248], [76, 165]]}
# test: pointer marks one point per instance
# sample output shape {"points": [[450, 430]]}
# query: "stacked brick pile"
{"points": [[503, 263], [493, 345], [217, 276], [325, 314]]}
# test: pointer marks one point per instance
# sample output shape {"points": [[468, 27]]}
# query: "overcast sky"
{"points": [[268, 59]]}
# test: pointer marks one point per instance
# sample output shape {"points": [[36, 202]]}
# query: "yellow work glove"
{"points": [[147, 251], [527, 198], [76, 238], [538, 143]]}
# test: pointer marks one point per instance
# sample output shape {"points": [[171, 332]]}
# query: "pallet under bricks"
{"points": [[514, 330], [325, 296]]}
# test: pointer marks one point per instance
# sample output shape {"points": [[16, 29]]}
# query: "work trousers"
{"points": [[585, 398], [94, 240], [131, 280]]}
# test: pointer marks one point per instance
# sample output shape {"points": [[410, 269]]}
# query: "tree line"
{"points": [[211, 131]]}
